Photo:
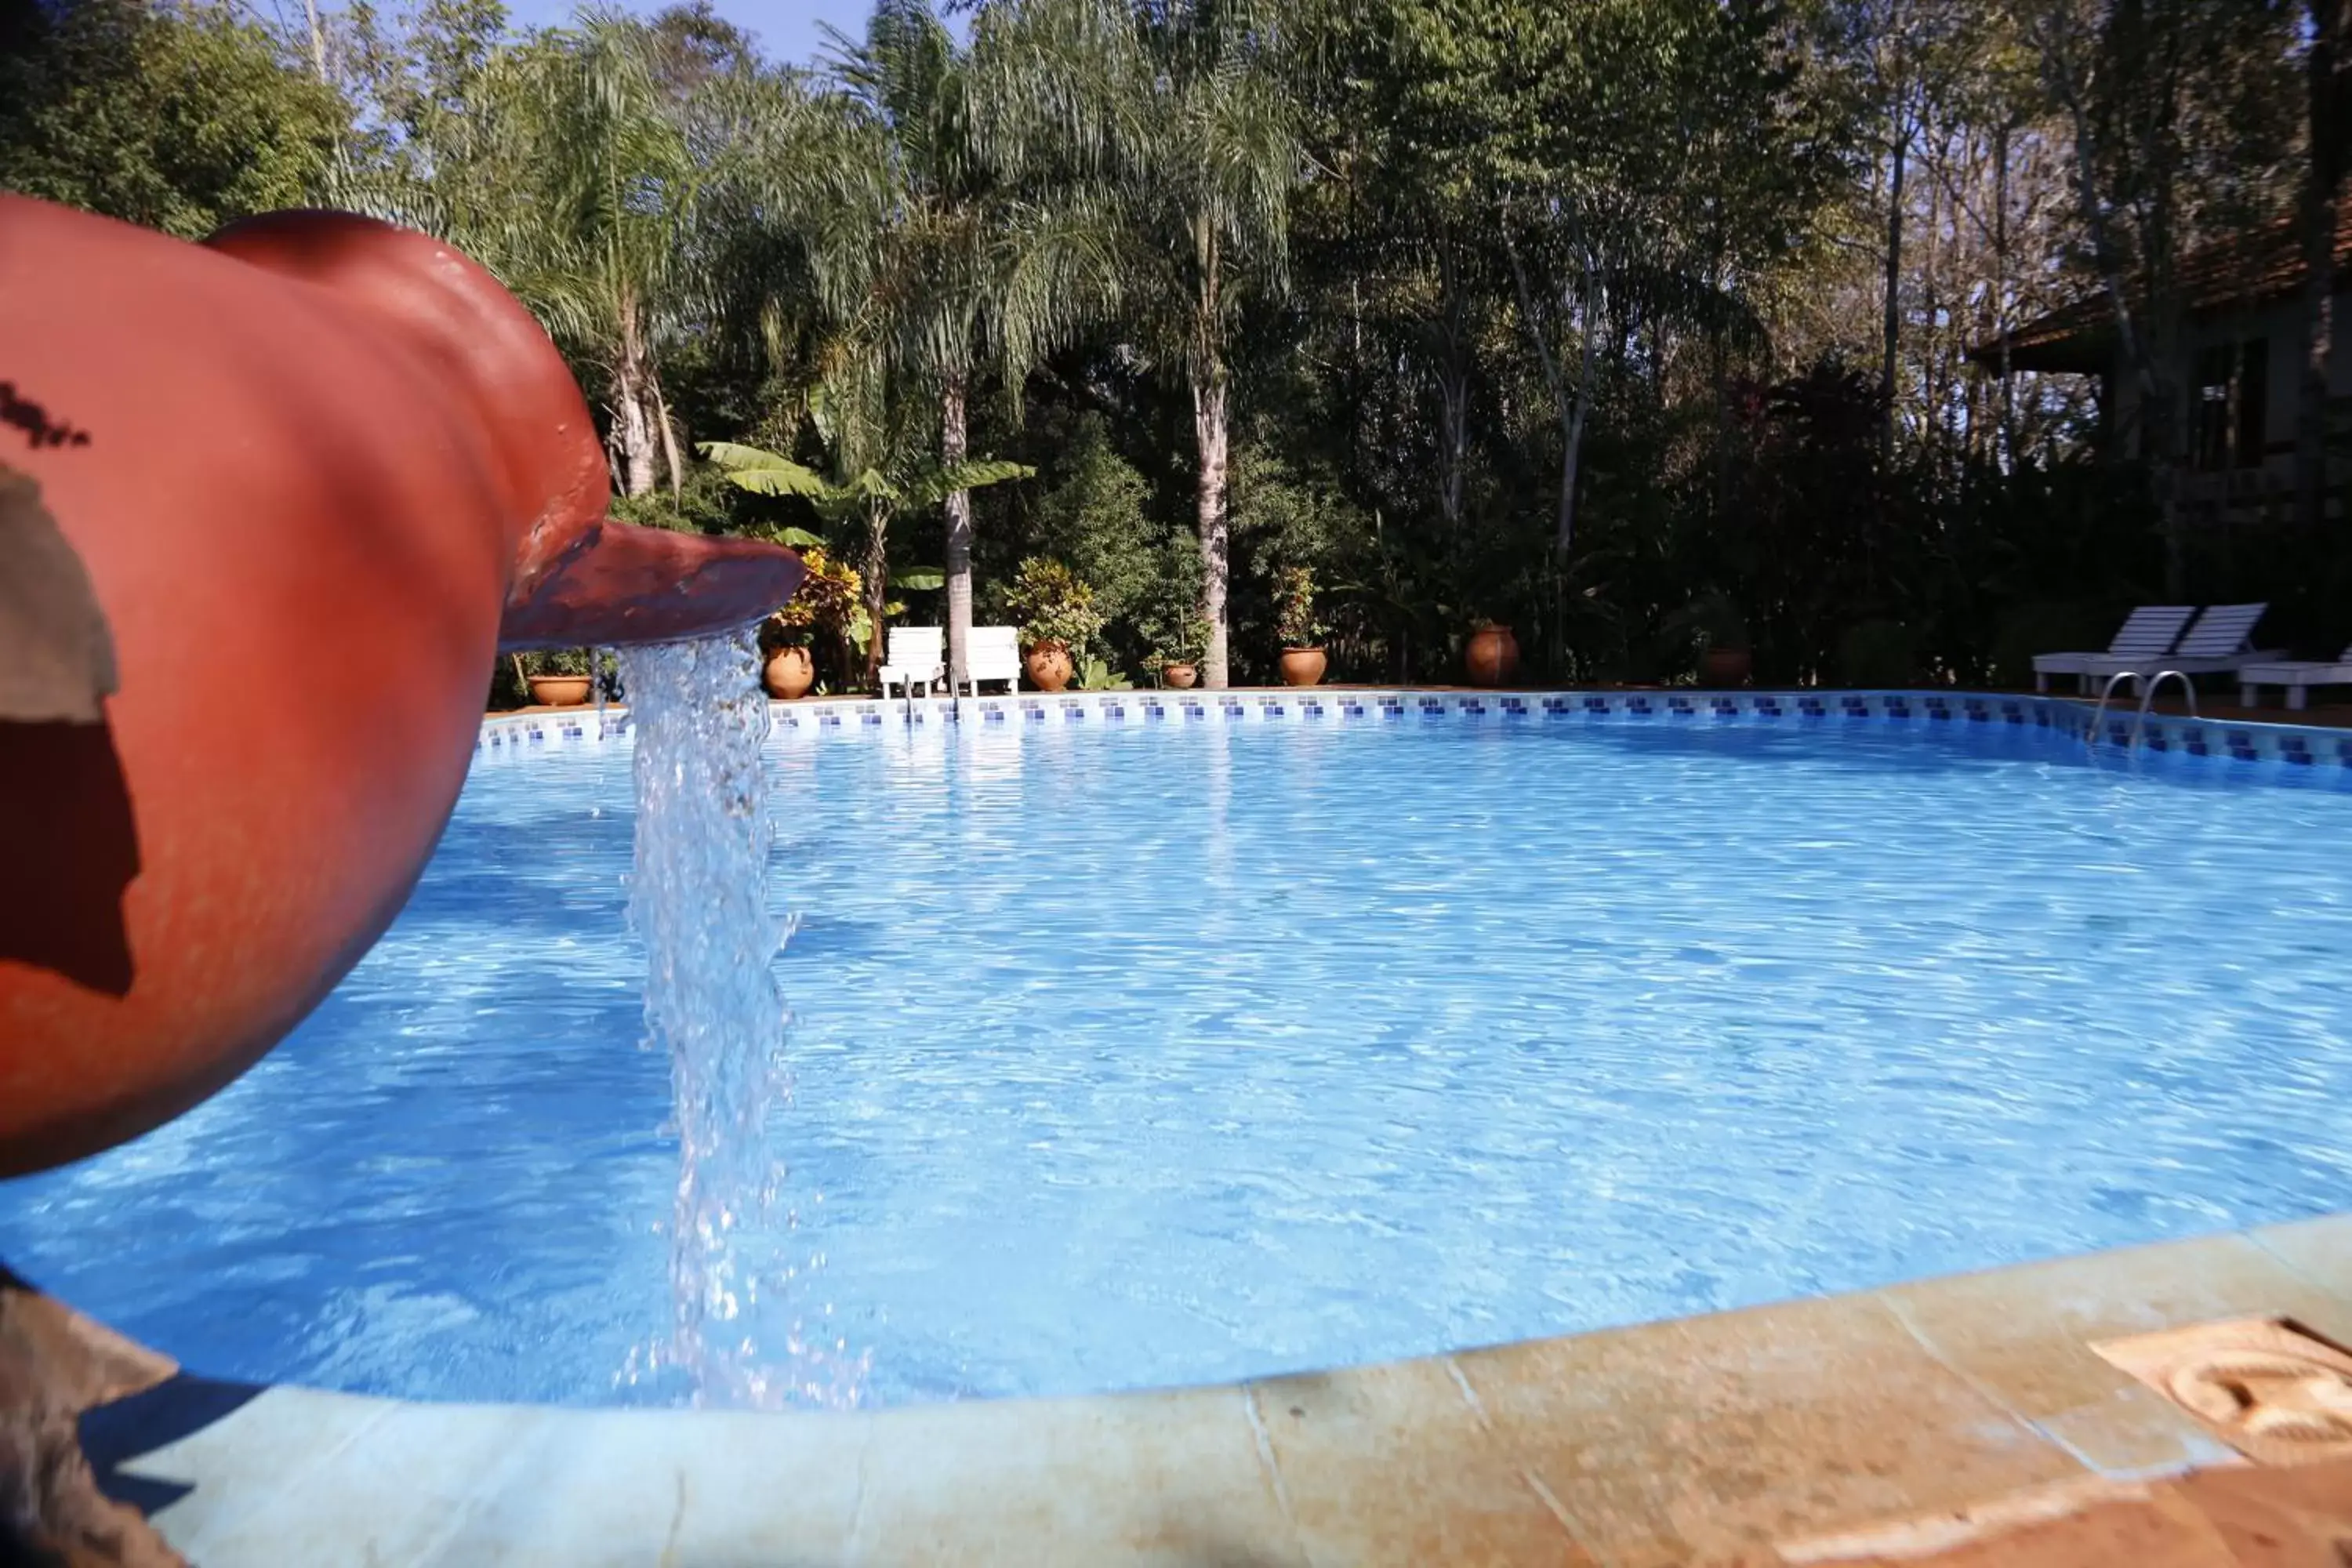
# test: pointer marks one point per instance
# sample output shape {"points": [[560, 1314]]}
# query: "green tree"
{"points": [[182, 118], [1097, 520]]}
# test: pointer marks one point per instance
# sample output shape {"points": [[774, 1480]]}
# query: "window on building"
{"points": [[2253, 402], [2230, 412]]}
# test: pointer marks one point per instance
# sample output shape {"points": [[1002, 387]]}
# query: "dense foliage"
{"points": [[1640, 326]]}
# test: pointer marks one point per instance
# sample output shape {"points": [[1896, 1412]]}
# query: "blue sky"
{"points": [[787, 30]]}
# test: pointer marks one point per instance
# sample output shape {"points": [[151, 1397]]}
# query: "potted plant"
{"points": [[1492, 656], [556, 678], [1714, 623], [828, 601], [1177, 644], [1169, 620], [1057, 618], [1294, 622], [787, 667]]}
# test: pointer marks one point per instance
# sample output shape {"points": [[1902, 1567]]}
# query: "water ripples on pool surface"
{"points": [[1187, 1052]]}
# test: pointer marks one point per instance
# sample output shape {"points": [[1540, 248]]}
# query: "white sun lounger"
{"points": [[2221, 642], [2149, 630], [992, 652], [917, 658], [2298, 676]]}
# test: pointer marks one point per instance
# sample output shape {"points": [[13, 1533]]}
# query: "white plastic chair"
{"points": [[915, 657], [2298, 675], [991, 653]]}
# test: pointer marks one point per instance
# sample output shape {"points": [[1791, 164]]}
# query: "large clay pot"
{"points": [[313, 432], [1179, 676], [559, 691], [791, 672], [1723, 666], [1492, 656], [1303, 665], [1049, 667]]}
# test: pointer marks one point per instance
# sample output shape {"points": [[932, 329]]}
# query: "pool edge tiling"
{"points": [[1963, 1417], [2323, 751]]}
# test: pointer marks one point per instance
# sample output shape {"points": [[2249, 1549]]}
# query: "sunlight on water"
{"points": [[738, 1335]]}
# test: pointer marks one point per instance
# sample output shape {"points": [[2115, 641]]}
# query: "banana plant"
{"points": [[872, 496]]}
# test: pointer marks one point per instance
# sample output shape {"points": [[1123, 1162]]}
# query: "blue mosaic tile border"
{"points": [[2288, 745], [534, 732]]}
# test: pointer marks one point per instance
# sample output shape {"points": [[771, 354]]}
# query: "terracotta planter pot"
{"points": [[1303, 665], [1724, 667], [559, 691], [1179, 676], [1049, 667], [1492, 657], [790, 673]]}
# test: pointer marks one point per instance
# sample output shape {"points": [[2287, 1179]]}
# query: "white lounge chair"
{"points": [[2149, 630], [2298, 676], [991, 653], [2219, 643], [915, 657]]}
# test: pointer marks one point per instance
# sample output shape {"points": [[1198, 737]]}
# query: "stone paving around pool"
{"points": [[1966, 1420]]}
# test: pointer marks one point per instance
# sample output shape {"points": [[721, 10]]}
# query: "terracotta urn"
{"points": [[1049, 667], [312, 430], [1303, 665], [1179, 676], [1491, 657], [559, 691], [789, 672], [1723, 666]]}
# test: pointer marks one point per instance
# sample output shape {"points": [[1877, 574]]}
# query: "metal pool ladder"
{"points": [[2146, 696]]}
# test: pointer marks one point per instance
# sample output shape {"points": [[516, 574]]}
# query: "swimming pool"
{"points": [[1133, 1055]]}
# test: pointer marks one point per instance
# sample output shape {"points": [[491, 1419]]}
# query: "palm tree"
{"points": [[1208, 154], [967, 266], [602, 248]]}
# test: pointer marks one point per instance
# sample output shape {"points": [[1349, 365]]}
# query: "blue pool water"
{"points": [[1194, 1051]]}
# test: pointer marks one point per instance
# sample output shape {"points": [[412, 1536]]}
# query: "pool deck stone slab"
{"points": [[1704, 1437], [2025, 1333], [1960, 1419]]}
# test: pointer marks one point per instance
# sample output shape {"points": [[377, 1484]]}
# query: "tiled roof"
{"points": [[2262, 264]]}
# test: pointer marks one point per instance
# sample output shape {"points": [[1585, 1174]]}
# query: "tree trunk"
{"points": [[959, 544], [2331, 20], [668, 441], [1209, 426], [318, 40], [2008, 457], [1452, 395], [1570, 403], [1580, 410], [1454, 429], [632, 437], [1892, 327], [877, 588]]}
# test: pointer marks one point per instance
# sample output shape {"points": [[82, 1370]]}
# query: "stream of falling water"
{"points": [[739, 1336]]}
